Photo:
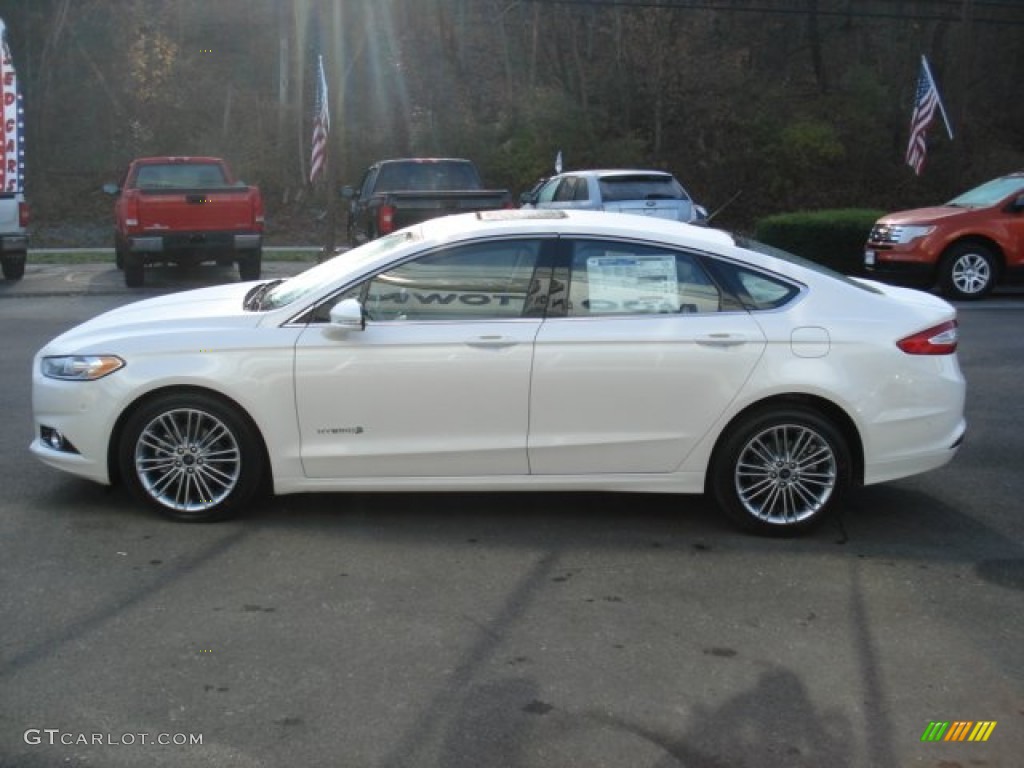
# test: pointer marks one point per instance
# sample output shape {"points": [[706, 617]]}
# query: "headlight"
{"points": [[80, 367], [906, 234]]}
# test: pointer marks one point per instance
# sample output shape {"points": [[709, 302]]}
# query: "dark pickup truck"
{"points": [[185, 210], [396, 193]]}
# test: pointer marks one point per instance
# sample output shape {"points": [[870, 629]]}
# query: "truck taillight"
{"points": [[23, 214], [386, 219]]}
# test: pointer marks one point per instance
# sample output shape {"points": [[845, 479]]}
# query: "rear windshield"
{"points": [[641, 187], [426, 176], [180, 176]]}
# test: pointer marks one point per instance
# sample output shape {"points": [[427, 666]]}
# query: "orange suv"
{"points": [[966, 246]]}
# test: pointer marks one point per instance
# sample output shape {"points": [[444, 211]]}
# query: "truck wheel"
{"points": [[249, 266], [134, 271], [13, 265], [968, 271], [119, 251]]}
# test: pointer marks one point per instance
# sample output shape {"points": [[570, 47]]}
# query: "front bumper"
{"points": [[84, 412], [891, 265]]}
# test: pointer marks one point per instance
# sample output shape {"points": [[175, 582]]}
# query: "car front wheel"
{"points": [[191, 456], [781, 471], [968, 271]]}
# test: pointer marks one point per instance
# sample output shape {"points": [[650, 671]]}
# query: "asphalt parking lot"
{"points": [[514, 630]]}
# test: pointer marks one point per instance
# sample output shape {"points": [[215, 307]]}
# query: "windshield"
{"points": [[989, 193], [315, 278]]}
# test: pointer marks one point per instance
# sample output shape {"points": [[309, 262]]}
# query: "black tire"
{"points": [[134, 271], [13, 265], [249, 266], [968, 271], [191, 456], [781, 471], [120, 249]]}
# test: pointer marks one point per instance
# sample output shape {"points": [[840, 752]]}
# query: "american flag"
{"points": [[321, 123], [926, 102]]}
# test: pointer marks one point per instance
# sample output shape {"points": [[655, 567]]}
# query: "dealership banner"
{"points": [[12, 150]]}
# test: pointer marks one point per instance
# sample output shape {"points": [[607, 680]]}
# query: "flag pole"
{"points": [[938, 96]]}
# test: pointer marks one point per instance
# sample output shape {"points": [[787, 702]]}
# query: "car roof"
{"points": [[423, 160], [617, 172], [527, 221], [176, 159]]}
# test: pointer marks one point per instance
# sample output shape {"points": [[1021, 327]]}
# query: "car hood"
{"points": [[923, 215], [206, 309]]}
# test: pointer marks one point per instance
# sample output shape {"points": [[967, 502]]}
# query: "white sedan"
{"points": [[514, 350]]}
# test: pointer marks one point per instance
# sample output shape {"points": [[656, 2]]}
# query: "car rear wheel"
{"points": [[192, 457], [781, 471], [968, 271]]}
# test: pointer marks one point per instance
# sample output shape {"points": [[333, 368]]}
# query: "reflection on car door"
{"points": [[438, 382], [648, 355]]}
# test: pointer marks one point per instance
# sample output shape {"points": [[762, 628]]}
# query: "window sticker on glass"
{"points": [[631, 283]]}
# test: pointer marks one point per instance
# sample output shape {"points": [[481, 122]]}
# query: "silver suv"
{"points": [[646, 193]]}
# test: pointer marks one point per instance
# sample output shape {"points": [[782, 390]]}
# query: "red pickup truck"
{"points": [[186, 210]]}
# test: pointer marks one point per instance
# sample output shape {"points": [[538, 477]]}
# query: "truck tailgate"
{"points": [[9, 216], [414, 207], [201, 210]]}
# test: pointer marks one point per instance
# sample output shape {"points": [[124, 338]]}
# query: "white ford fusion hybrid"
{"points": [[514, 350]]}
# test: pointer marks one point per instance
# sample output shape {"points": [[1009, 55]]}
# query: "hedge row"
{"points": [[834, 238]]}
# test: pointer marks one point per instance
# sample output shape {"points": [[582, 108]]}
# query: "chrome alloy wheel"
{"points": [[785, 474], [971, 273], [187, 460]]}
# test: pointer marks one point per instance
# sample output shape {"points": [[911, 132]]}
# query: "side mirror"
{"points": [[348, 192], [112, 189], [526, 198], [701, 213], [348, 315]]}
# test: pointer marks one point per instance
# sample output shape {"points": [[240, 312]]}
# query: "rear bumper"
{"points": [[194, 246], [13, 243]]}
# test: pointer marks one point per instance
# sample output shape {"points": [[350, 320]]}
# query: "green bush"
{"points": [[834, 238]]}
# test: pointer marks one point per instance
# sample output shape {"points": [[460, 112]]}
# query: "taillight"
{"points": [[23, 214], [937, 340], [386, 219]]}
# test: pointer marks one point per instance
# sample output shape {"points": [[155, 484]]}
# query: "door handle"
{"points": [[721, 340], [492, 342]]}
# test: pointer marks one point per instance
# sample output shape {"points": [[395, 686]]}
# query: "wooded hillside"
{"points": [[790, 103]]}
